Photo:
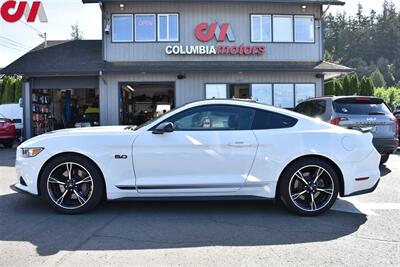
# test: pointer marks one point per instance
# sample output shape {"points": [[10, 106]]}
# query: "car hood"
{"points": [[80, 132]]}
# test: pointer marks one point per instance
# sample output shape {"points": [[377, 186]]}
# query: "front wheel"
{"points": [[72, 184], [309, 187]]}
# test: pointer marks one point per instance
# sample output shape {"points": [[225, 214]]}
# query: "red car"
{"points": [[7, 132]]}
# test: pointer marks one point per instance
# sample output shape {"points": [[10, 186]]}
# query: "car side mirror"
{"points": [[165, 127]]}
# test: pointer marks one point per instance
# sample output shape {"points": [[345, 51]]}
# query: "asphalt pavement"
{"points": [[358, 231]]}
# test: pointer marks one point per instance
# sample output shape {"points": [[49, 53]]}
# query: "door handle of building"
{"points": [[239, 144]]}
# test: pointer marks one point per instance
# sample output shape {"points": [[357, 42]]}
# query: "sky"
{"points": [[16, 38]]}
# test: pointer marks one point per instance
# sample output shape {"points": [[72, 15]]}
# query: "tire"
{"points": [[8, 144], [384, 158], [309, 199], [86, 181]]}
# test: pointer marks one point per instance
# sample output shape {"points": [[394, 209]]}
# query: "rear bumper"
{"points": [[386, 145], [365, 191], [361, 177]]}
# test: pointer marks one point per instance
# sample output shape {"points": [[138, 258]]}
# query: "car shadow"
{"points": [[161, 225], [7, 157]]}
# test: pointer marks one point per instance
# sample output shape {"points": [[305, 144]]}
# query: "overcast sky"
{"points": [[64, 13]]}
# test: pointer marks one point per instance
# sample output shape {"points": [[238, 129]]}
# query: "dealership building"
{"points": [[156, 55]]}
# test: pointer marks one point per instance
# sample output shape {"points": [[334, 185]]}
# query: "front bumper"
{"points": [[19, 189], [386, 145]]}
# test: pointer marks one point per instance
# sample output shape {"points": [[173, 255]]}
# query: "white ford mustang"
{"points": [[212, 149]]}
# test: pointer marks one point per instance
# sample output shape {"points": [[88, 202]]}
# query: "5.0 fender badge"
{"points": [[121, 156]]}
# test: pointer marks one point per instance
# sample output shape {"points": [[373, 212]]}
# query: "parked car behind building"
{"points": [[356, 113], [7, 132], [13, 112]]}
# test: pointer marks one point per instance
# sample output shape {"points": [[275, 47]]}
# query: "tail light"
{"points": [[8, 123], [398, 127], [335, 121]]}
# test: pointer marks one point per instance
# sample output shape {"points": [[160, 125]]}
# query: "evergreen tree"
{"points": [[366, 87], [18, 89], [346, 83], [338, 88], [369, 91], [330, 88], [377, 78], [354, 84]]}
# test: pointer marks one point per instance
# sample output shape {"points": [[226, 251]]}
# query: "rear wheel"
{"points": [[72, 184], [384, 158], [309, 187]]}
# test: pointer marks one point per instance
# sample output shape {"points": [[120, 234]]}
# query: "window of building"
{"points": [[265, 120], [283, 28], [214, 117], [122, 28], [168, 27], [216, 91], [304, 92], [283, 95], [261, 28], [304, 29], [145, 27], [262, 93]]}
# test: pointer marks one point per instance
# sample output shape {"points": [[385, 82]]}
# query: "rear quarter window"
{"points": [[265, 120]]}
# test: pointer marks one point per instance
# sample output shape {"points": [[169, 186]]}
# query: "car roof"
{"points": [[241, 102]]}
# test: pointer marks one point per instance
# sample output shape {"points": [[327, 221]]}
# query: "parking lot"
{"points": [[361, 230]]}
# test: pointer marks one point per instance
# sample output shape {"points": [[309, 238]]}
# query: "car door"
{"points": [[211, 149]]}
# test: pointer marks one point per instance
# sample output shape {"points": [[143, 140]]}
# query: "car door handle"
{"points": [[239, 144]]}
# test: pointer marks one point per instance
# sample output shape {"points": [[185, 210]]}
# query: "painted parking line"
{"points": [[355, 206]]}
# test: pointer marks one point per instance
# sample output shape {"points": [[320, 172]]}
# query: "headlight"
{"points": [[31, 152]]}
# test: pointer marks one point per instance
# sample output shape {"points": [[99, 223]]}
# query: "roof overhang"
{"points": [[324, 68], [320, 2]]}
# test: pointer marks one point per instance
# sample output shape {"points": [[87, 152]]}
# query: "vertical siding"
{"points": [[189, 89], [237, 14]]}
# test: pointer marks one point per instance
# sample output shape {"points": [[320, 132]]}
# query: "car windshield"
{"points": [[361, 106]]}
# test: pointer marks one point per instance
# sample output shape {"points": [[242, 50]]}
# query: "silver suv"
{"points": [[356, 113]]}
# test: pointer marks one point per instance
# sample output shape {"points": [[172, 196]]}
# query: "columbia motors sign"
{"points": [[205, 32], [13, 11]]}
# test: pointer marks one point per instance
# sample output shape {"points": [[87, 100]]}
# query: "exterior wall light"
{"points": [[121, 6], [303, 6]]}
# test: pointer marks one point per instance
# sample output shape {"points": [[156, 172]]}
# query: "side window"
{"points": [[214, 117], [318, 108], [300, 108], [265, 120]]}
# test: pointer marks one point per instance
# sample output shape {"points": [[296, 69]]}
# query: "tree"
{"points": [[378, 79], [354, 84], [338, 88], [366, 87], [76, 34], [330, 88], [8, 90], [387, 71], [18, 89], [346, 83]]}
